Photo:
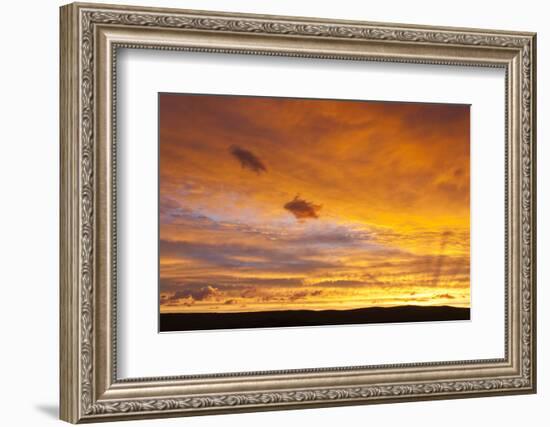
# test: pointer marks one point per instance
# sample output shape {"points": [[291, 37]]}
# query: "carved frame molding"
{"points": [[90, 37]]}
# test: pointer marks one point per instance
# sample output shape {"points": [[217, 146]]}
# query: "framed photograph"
{"points": [[241, 247], [264, 212]]}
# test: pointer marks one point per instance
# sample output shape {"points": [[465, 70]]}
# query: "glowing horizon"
{"points": [[304, 204]]}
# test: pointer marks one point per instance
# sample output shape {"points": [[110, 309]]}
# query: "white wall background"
{"points": [[29, 170]]}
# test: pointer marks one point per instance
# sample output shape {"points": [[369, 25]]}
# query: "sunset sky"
{"points": [[282, 204]]}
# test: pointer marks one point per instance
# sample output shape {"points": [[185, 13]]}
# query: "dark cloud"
{"points": [[302, 209], [304, 294], [230, 302], [248, 159], [298, 295], [196, 293]]}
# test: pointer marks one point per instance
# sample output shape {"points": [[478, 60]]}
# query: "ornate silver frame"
{"points": [[90, 36]]}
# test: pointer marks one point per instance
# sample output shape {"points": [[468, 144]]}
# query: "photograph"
{"points": [[278, 212], [262, 212]]}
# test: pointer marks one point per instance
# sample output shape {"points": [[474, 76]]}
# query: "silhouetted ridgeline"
{"points": [[273, 319]]}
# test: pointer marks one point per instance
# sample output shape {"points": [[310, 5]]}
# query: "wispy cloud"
{"points": [[244, 257]]}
